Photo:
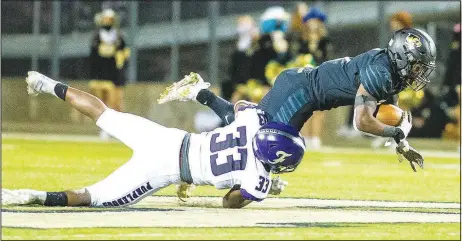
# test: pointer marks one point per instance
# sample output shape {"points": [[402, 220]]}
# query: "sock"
{"points": [[56, 199], [60, 90], [205, 97], [221, 107]]}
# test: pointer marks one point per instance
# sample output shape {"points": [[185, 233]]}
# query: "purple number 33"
{"points": [[231, 164]]}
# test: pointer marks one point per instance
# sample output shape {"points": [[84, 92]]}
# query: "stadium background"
{"points": [[169, 40]]}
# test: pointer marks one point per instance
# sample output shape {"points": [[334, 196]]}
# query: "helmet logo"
{"points": [[282, 155], [413, 41]]}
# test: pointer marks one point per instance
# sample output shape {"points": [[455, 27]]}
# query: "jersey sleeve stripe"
{"points": [[377, 80], [387, 87], [370, 85]]}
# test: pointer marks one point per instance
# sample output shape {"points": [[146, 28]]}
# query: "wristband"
{"points": [[396, 133]]}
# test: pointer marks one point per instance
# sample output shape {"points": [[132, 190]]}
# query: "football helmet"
{"points": [[412, 54], [279, 146]]}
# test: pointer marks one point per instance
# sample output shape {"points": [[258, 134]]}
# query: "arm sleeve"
{"points": [[377, 81], [255, 182], [256, 188], [224, 109]]}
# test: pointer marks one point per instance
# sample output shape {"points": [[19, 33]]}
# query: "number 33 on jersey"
{"points": [[231, 160]]}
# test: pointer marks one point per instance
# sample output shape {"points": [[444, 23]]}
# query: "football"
{"points": [[389, 114]]}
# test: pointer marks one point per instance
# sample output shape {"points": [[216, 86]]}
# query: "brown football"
{"points": [[389, 114]]}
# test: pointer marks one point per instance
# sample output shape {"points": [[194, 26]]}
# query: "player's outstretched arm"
{"points": [[364, 120], [234, 199]]}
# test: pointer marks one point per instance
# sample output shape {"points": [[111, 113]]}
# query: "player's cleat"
{"points": [[184, 90], [39, 83], [20, 197]]}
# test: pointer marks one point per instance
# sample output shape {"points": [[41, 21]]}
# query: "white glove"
{"points": [[406, 124], [277, 186]]}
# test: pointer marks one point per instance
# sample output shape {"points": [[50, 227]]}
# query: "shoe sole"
{"points": [[30, 89], [193, 80]]}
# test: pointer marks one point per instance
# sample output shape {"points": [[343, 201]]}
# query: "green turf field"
{"points": [[365, 175], [403, 231]]}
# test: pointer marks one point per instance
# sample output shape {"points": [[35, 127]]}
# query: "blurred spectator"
{"points": [[241, 58], [452, 76], [272, 45], [451, 86], [439, 116], [314, 41], [108, 56], [429, 117], [239, 73], [452, 129], [296, 27], [294, 37], [399, 20]]}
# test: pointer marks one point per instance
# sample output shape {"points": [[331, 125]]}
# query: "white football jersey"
{"points": [[224, 157]]}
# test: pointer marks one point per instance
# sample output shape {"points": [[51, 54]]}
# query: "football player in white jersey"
{"points": [[240, 156]]}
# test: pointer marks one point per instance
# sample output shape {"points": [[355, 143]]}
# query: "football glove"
{"points": [[406, 152], [277, 186], [183, 191]]}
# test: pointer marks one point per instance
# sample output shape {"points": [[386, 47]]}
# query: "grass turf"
{"points": [[58, 165], [53, 166], [316, 231]]}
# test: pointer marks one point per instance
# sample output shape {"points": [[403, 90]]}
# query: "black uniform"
{"points": [[298, 92], [102, 58]]}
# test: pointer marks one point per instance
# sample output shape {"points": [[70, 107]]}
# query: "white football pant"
{"points": [[153, 165]]}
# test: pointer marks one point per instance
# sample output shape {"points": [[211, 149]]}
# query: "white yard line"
{"points": [[199, 217], [155, 201], [192, 214]]}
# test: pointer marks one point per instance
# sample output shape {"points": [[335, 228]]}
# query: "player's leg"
{"points": [[290, 100], [139, 177], [132, 130], [72, 198], [86, 103], [154, 165]]}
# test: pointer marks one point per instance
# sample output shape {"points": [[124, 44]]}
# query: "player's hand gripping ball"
{"points": [[389, 114]]}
